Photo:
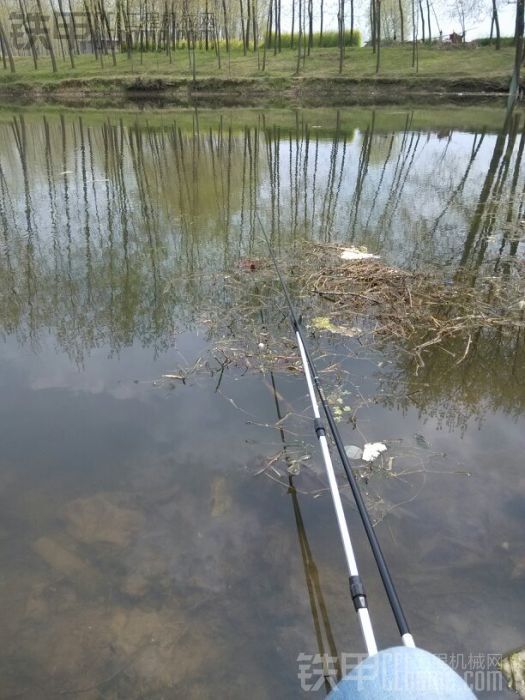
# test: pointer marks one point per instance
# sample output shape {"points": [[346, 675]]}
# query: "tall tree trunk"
{"points": [[268, 35], [206, 38], [243, 31], [373, 24], [422, 21], [352, 22], [341, 24], [74, 27], [276, 22], [518, 56], [299, 37], [414, 36], [127, 28], [310, 25], [428, 23], [2, 49], [91, 28], [321, 21], [378, 25], [68, 33], [29, 33], [402, 21], [495, 20], [7, 48], [216, 34], [278, 25], [58, 33], [255, 28], [108, 30], [293, 25], [226, 32], [269, 25], [248, 23], [118, 29]]}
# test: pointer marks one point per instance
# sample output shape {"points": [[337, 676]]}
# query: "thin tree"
{"points": [[29, 32], [293, 25], [373, 24], [226, 33], [255, 27], [341, 25], [422, 21], [127, 28], [105, 21], [243, 30], [310, 25], [7, 48], [428, 23], [58, 33], [277, 38], [67, 33], [74, 27], [402, 21], [414, 34], [495, 23], [518, 55], [91, 28], [378, 39], [248, 23], [299, 37], [268, 35], [4, 60]]}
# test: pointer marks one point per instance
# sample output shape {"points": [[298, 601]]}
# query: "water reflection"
{"points": [[130, 512]]}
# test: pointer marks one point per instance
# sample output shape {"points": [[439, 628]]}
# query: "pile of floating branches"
{"points": [[361, 300], [414, 309]]}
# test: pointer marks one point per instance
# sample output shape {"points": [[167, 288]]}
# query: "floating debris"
{"points": [[372, 450], [357, 254], [353, 452], [221, 499], [513, 668], [421, 442], [323, 323]]}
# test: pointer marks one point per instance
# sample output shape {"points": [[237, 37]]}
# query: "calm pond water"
{"points": [[142, 554]]}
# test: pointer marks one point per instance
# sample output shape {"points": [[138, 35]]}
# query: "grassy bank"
{"points": [[459, 70]]}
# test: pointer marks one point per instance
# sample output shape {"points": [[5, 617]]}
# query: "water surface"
{"points": [[142, 555]]}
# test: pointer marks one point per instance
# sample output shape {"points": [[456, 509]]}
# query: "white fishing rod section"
{"points": [[356, 587], [311, 373]]}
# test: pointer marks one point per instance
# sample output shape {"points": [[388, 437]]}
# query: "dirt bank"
{"points": [[314, 91]]}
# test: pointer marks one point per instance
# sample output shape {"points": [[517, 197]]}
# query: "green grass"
{"points": [[483, 63]]}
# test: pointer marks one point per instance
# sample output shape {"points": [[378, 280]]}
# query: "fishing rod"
{"points": [[356, 587]]}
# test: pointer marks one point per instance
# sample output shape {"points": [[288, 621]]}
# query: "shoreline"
{"points": [[272, 91]]}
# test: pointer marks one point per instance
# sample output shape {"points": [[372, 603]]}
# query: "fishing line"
{"points": [[313, 379]]}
